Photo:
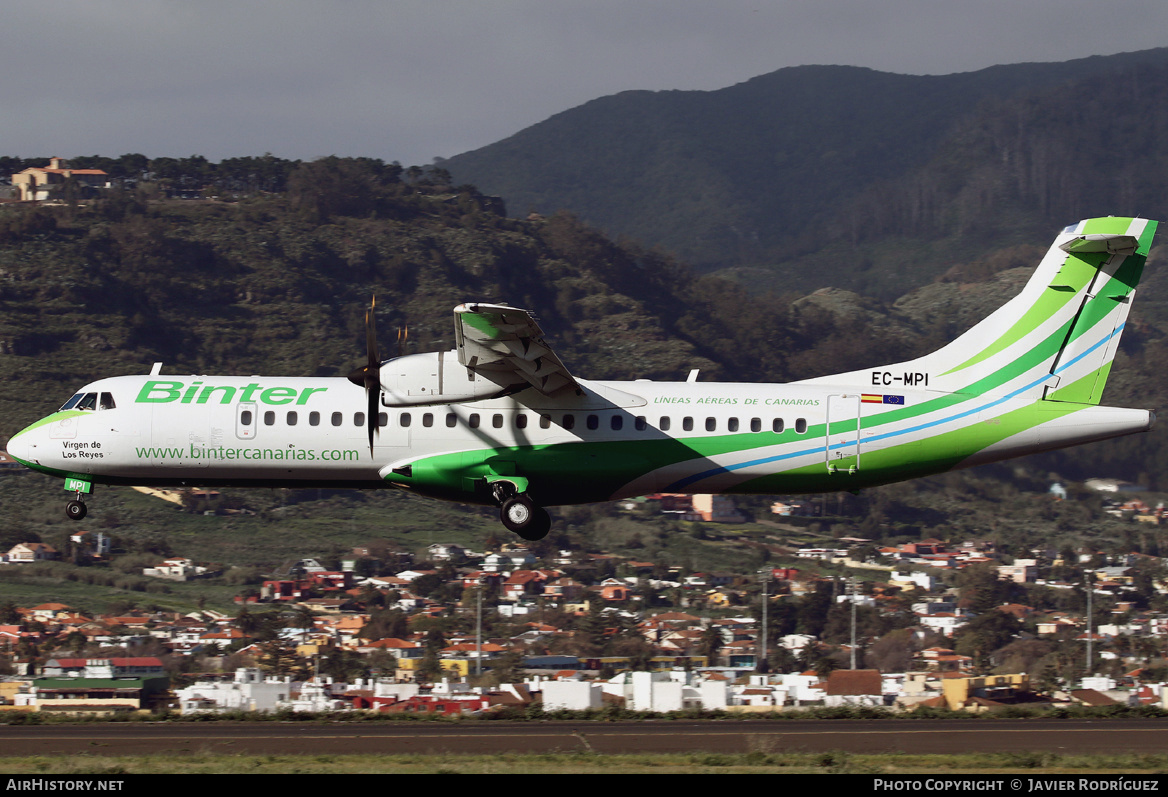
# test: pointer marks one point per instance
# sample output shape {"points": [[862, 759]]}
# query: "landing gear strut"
{"points": [[520, 514]]}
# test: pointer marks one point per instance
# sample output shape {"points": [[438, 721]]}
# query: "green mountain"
{"points": [[843, 176]]}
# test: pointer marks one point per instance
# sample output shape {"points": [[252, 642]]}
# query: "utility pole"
{"points": [[766, 577], [479, 630], [852, 584], [1090, 619]]}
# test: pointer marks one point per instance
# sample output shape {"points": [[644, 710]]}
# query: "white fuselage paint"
{"points": [[309, 431]]}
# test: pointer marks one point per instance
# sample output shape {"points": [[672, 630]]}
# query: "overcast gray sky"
{"points": [[408, 80]]}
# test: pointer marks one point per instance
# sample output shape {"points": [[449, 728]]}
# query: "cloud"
{"points": [[413, 79]]}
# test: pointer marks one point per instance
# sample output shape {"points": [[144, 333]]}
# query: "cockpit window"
{"points": [[89, 401]]}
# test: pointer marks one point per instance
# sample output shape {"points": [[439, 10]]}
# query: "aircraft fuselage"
{"points": [[619, 439]]}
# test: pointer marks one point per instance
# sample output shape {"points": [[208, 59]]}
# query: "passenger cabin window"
{"points": [[756, 424], [451, 420], [427, 419], [640, 424], [269, 418], [314, 419], [405, 420], [687, 424], [711, 424], [497, 421], [732, 425], [245, 418], [338, 418], [777, 425], [801, 426], [617, 423], [521, 421], [665, 423], [358, 419], [293, 418]]}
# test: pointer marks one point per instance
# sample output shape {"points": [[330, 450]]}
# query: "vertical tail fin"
{"points": [[1057, 338]]}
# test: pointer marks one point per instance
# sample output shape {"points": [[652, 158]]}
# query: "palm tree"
{"points": [[711, 642], [302, 618]]}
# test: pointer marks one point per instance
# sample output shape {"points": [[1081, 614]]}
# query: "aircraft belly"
{"points": [[1070, 424]]}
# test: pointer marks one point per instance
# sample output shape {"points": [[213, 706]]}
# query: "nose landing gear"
{"points": [[76, 509]]}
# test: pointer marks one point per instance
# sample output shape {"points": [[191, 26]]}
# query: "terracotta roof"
{"points": [[1092, 697], [854, 682]]}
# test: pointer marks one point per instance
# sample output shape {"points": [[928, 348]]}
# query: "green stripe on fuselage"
{"points": [[935, 454]]}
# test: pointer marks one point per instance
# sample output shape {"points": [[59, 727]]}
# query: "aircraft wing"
{"points": [[507, 342]]}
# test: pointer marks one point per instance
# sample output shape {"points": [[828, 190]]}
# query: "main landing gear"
{"points": [[520, 514]]}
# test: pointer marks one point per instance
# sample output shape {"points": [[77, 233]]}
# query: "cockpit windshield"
{"points": [[89, 401]]}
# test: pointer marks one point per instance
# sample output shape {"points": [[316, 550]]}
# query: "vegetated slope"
{"points": [[881, 177], [279, 284]]}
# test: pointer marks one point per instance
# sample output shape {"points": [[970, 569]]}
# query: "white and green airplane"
{"points": [[500, 420]]}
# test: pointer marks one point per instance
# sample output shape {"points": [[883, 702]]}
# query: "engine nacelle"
{"points": [[436, 377]]}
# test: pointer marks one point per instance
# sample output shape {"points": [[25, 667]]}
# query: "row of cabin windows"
{"points": [[567, 421]]}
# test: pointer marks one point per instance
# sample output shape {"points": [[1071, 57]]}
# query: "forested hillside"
{"points": [[815, 176], [278, 283]]}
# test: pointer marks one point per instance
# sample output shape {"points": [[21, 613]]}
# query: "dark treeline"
{"points": [[196, 176]]}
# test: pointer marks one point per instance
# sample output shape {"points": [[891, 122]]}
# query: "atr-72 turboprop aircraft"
{"points": [[500, 420]]}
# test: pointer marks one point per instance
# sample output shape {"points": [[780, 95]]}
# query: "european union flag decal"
{"points": [[878, 398]]}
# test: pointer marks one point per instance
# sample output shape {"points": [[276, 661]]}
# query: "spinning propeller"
{"points": [[368, 376]]}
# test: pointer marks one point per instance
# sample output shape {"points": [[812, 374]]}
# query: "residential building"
{"points": [[25, 552], [47, 182], [854, 688], [248, 690]]}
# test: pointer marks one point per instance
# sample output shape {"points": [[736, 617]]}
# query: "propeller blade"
{"points": [[368, 376], [374, 426], [371, 336]]}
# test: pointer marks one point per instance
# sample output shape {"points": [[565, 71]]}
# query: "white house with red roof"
{"points": [[118, 667], [45, 182], [25, 552]]}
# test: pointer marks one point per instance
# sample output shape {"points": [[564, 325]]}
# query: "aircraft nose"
{"points": [[27, 445], [18, 447]]}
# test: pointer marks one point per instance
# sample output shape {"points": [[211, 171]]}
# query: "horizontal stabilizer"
{"points": [[1111, 244]]}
